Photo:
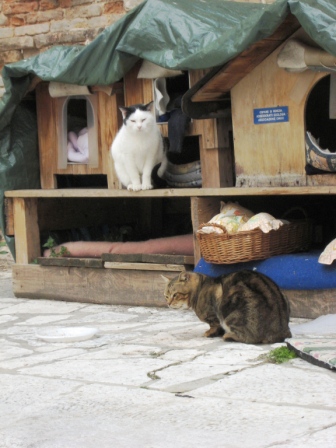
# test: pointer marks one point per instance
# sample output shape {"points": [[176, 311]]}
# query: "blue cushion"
{"points": [[290, 271]]}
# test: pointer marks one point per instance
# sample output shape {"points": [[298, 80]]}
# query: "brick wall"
{"points": [[28, 27]]}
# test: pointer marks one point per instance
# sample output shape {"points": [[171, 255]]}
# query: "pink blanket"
{"points": [[173, 245]]}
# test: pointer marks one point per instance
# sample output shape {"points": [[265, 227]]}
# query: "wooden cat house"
{"points": [[63, 109], [209, 137], [281, 93]]}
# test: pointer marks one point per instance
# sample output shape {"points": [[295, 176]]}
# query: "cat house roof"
{"points": [[183, 35]]}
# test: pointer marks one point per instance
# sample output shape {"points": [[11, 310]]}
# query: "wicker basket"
{"points": [[222, 248]]}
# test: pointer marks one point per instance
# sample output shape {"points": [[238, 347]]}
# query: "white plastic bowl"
{"points": [[66, 334]]}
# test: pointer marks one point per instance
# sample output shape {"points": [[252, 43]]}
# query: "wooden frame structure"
{"points": [[271, 173]]}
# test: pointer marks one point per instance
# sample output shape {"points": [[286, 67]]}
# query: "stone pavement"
{"points": [[148, 379]]}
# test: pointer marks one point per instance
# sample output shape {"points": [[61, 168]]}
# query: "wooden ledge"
{"points": [[172, 192]]}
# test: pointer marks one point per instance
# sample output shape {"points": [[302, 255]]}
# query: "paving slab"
{"points": [[150, 379]]}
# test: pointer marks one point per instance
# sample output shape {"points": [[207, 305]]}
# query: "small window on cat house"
{"points": [[320, 118], [168, 94], [77, 130]]}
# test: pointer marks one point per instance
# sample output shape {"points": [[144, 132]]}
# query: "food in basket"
{"points": [[254, 244], [262, 221], [329, 253], [231, 216]]}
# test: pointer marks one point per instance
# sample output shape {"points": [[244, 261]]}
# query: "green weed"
{"points": [[50, 244], [280, 355]]}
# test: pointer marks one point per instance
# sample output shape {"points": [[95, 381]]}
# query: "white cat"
{"points": [[138, 147]]}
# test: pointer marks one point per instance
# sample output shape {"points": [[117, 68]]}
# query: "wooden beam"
{"points": [[71, 262], [174, 192], [46, 123], [101, 286], [27, 237], [149, 258], [144, 266]]}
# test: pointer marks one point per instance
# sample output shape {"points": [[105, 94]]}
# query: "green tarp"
{"points": [[179, 34]]}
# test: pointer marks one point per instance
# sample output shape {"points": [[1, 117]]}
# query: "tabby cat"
{"points": [[244, 306], [138, 148]]}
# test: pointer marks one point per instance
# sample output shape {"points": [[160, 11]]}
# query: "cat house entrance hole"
{"points": [[77, 130], [190, 151], [167, 93], [81, 181], [318, 121]]}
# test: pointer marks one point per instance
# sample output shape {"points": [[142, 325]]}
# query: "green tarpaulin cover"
{"points": [[179, 34]]}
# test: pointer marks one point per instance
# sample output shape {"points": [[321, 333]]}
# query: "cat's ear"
{"points": [[150, 106], [123, 111], [166, 279], [184, 276]]}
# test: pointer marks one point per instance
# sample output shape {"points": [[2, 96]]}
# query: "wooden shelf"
{"points": [[172, 192]]}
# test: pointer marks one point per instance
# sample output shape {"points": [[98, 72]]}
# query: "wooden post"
{"points": [[46, 121], [202, 210], [26, 230]]}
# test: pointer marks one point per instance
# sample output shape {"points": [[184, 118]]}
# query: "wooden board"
{"points": [[109, 123], [46, 124], [101, 286], [174, 192], [149, 258], [71, 262], [144, 266], [312, 303], [27, 244], [122, 258]]}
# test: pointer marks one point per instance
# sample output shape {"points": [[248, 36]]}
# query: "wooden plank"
{"points": [[149, 258], [168, 259], [321, 179], [226, 156], [108, 106], [144, 266], [27, 241], [175, 193], [123, 258], [46, 123], [311, 304], [101, 286], [137, 90], [71, 262]]}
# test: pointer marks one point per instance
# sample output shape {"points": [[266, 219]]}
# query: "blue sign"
{"points": [[270, 115]]}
